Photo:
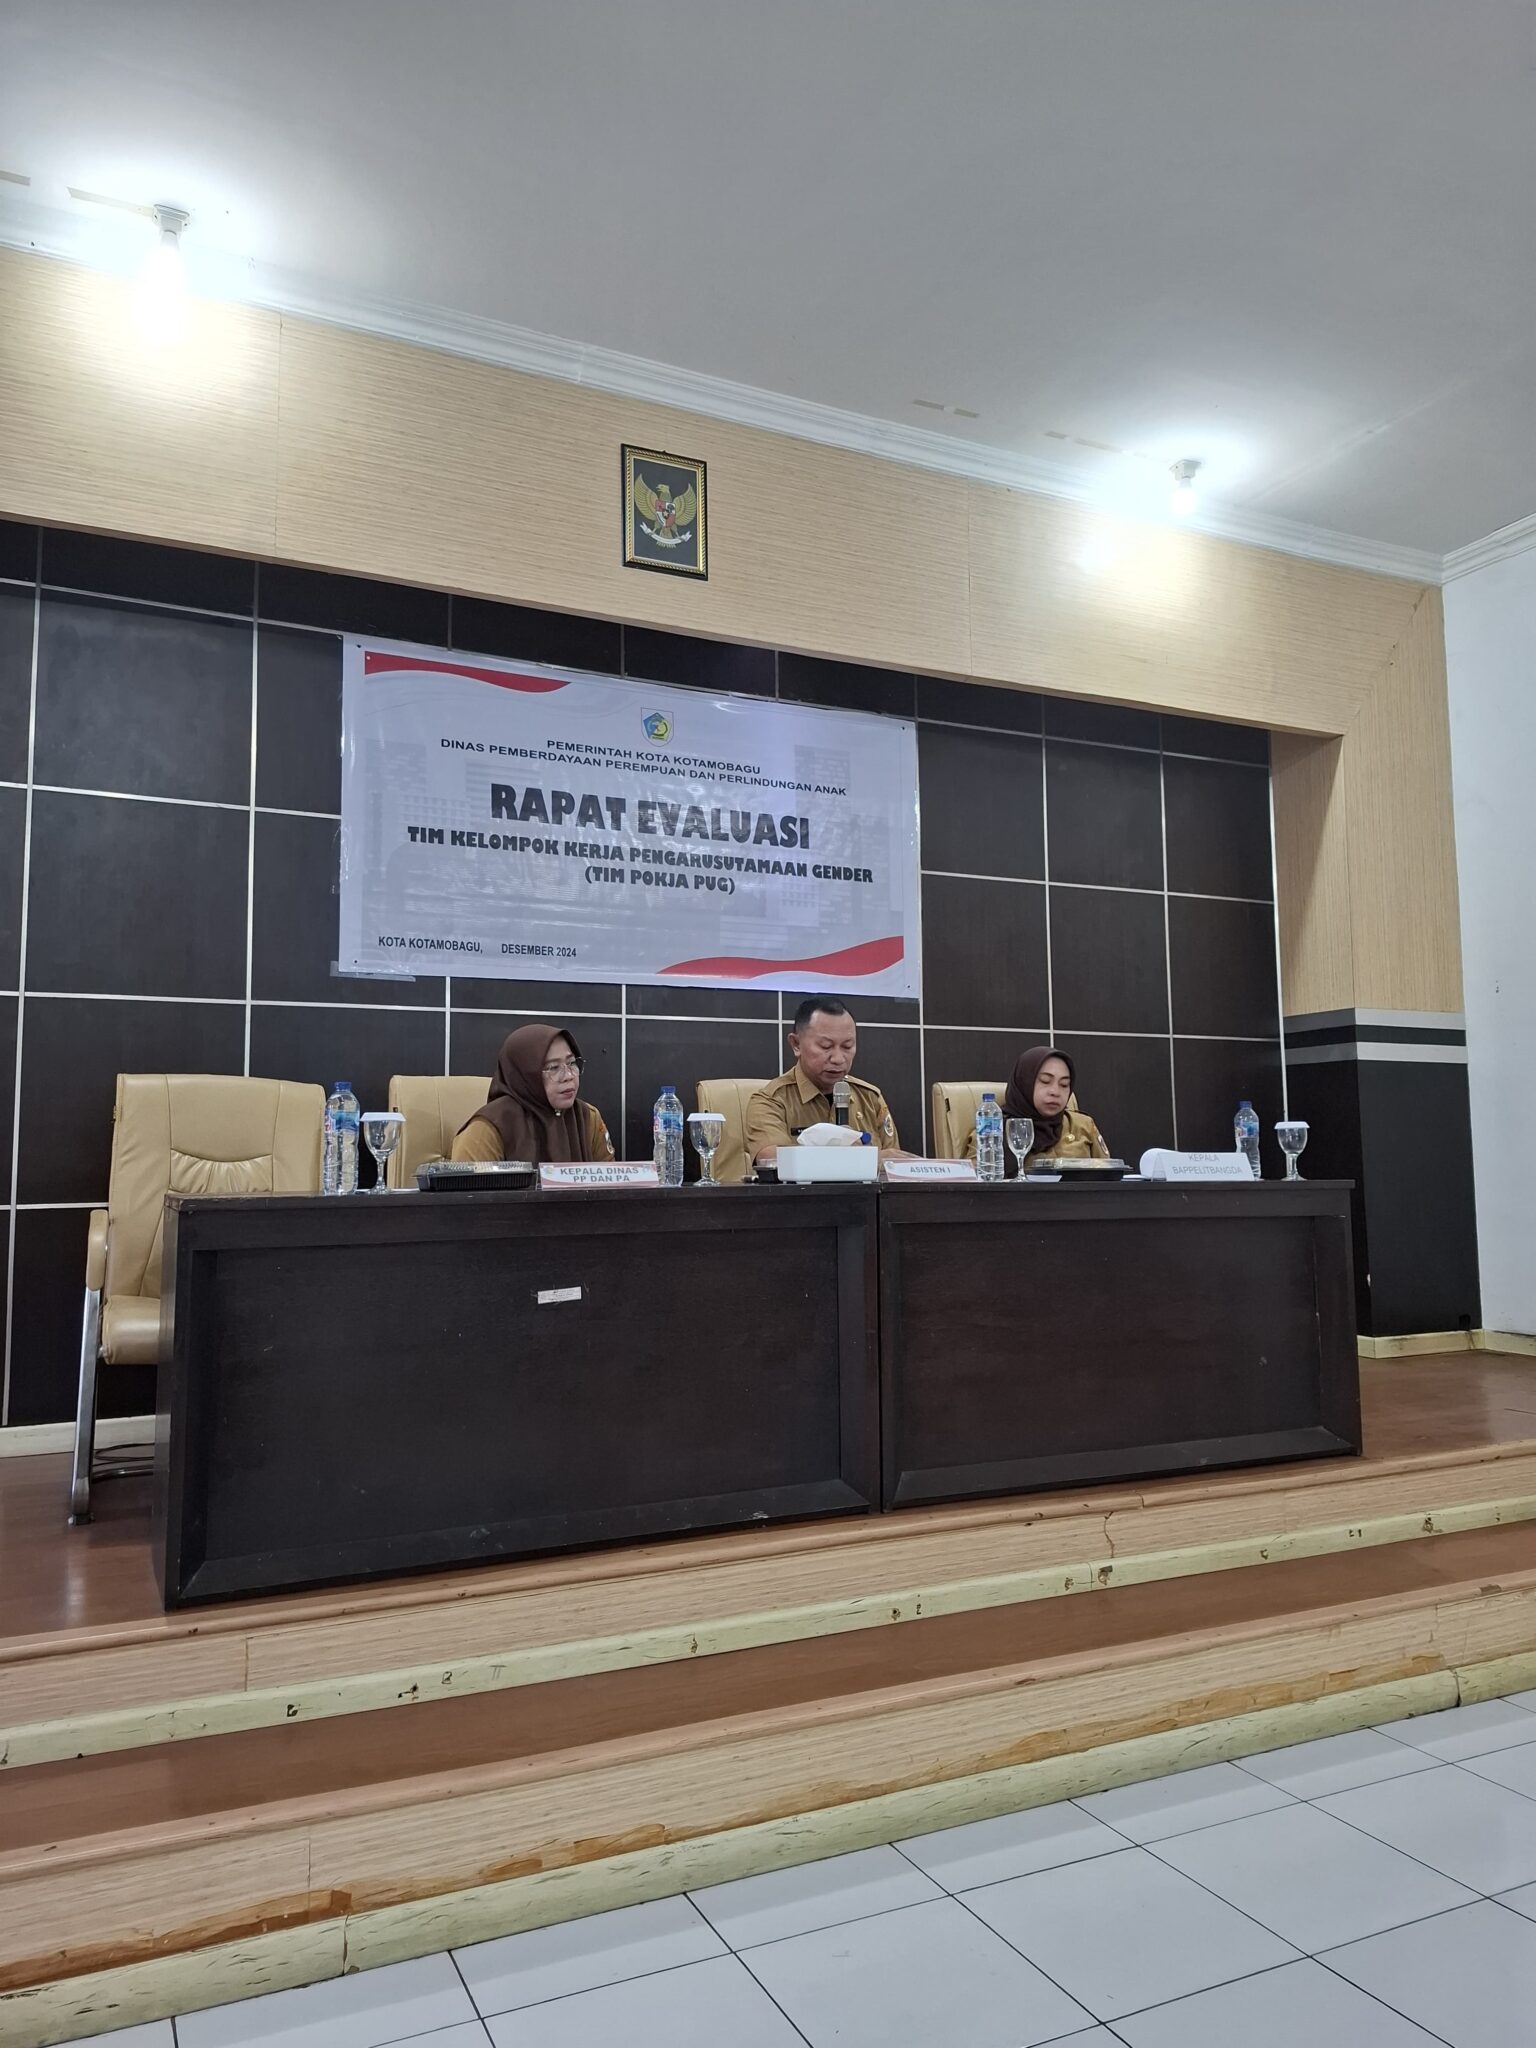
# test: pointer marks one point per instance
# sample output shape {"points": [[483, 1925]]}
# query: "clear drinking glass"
{"points": [[1293, 1142], [382, 1131], [1020, 1133], [706, 1127]]}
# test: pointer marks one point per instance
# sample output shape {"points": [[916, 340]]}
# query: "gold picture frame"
{"points": [[666, 512]]}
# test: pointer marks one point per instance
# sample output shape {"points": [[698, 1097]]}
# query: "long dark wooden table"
{"points": [[1046, 1336], [383, 1384]]}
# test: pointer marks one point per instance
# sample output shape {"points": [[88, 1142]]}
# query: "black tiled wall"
{"points": [[1089, 871]]}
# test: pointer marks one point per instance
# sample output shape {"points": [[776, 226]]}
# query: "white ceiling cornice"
{"points": [[1514, 539], [52, 232], [748, 405]]}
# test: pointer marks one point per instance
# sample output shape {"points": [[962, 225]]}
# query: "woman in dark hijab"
{"points": [[533, 1111], [1041, 1087]]}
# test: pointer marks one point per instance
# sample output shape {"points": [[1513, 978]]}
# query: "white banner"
{"points": [[518, 822]]}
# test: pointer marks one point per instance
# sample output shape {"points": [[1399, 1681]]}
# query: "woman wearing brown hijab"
{"points": [[533, 1111], [1041, 1088]]}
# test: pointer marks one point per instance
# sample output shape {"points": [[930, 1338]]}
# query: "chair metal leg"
{"points": [[85, 1413]]}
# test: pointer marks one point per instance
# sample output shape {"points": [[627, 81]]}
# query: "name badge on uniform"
{"points": [[929, 1169], [639, 1173]]}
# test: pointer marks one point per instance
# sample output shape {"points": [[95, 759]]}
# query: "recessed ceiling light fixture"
{"points": [[163, 279], [1184, 497]]}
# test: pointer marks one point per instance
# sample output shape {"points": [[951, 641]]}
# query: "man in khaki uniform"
{"points": [[823, 1040]]}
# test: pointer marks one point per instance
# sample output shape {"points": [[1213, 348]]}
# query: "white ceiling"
{"points": [[1295, 238]]}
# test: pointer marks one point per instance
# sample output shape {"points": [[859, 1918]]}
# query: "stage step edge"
{"points": [[44, 2015], [64, 1737]]}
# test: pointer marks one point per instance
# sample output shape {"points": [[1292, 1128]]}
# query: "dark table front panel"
{"points": [[372, 1385], [1051, 1336]]}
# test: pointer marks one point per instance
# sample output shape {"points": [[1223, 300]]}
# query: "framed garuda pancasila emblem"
{"points": [[664, 512]]}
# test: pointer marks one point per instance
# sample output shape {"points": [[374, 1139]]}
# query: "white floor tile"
{"points": [[1301, 2006], [1123, 1932], [1525, 1699], [1478, 1833], [1337, 1763], [1189, 1799], [580, 1955], [365, 2010], [1467, 1976], [1460, 1732], [984, 1851], [1309, 1878], [703, 2005], [780, 1903], [1515, 1768], [468, 2034], [1521, 1901], [153, 2034], [931, 1977]]}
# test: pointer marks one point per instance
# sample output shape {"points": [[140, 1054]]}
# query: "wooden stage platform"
{"points": [[199, 1805]]}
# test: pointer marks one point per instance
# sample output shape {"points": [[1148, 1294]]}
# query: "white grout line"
{"points": [[73, 995], [131, 796], [922, 1051], [148, 604], [1173, 1078], [196, 803], [1274, 871], [1048, 883], [1045, 862], [21, 990], [250, 838]]}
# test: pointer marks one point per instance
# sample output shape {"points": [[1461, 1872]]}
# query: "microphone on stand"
{"points": [[841, 1097]]}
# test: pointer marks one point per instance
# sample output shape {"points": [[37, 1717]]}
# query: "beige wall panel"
{"points": [[98, 429], [1402, 837], [1178, 620], [403, 463], [1312, 866]]}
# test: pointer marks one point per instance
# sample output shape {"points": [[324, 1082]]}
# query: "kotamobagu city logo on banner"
{"points": [[657, 726]]}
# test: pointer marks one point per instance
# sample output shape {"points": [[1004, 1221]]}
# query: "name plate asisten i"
{"points": [[929, 1169], [616, 1173]]}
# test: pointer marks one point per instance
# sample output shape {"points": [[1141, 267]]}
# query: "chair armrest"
{"points": [[96, 1251]]}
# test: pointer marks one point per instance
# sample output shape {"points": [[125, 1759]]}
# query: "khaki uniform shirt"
{"points": [[480, 1141], [1080, 1139], [777, 1114]]}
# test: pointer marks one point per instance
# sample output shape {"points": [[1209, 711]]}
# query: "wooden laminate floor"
{"points": [[58, 1579]]}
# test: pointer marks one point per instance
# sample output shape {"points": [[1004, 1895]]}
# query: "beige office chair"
{"points": [[955, 1104], [434, 1107], [730, 1098], [176, 1134]]}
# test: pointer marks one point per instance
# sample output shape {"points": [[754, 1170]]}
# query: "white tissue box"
{"points": [[805, 1163]]}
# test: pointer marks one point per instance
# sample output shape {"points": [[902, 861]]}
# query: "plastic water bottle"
{"points": [[667, 1137], [1245, 1128], [341, 1127], [989, 1139]]}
